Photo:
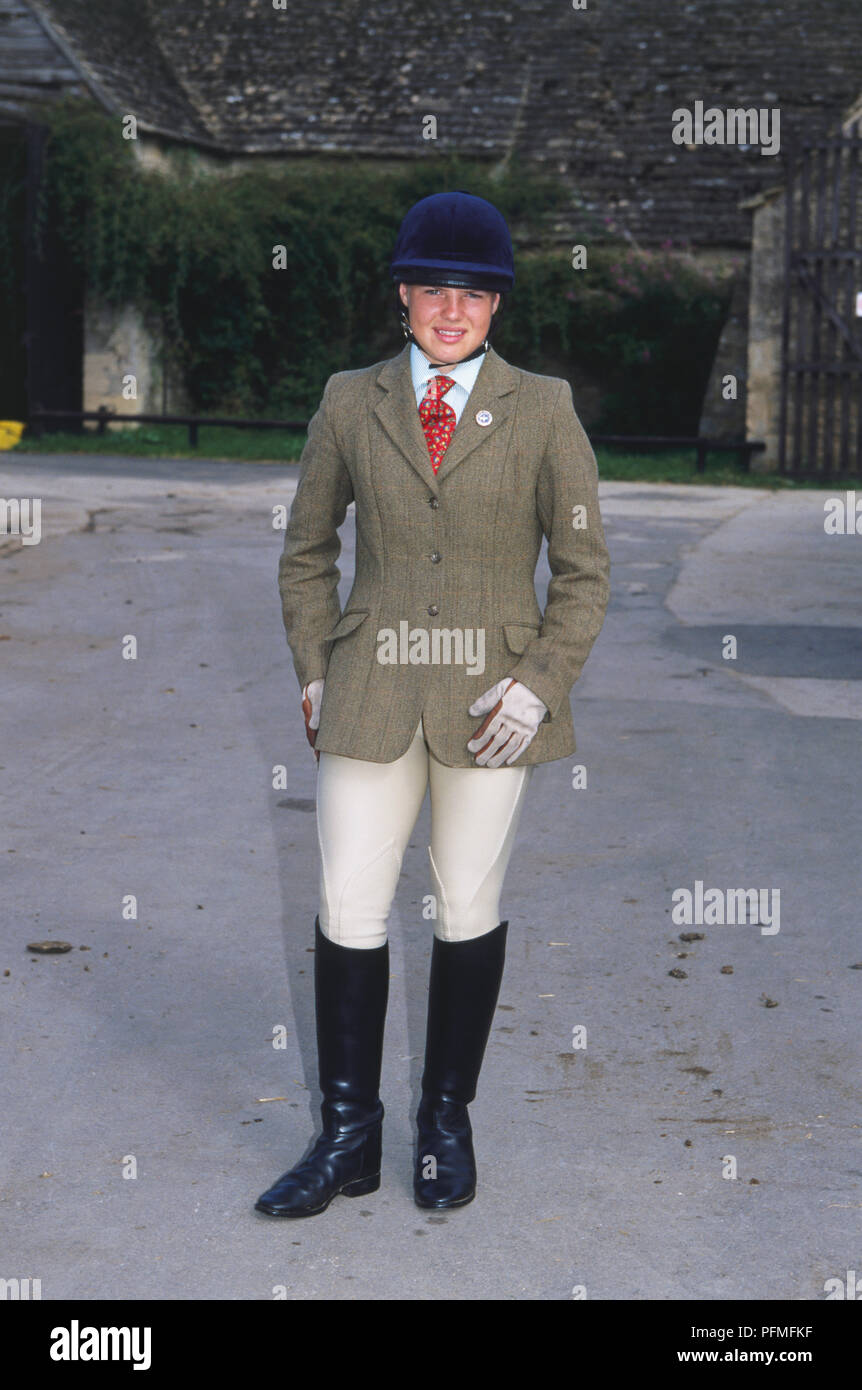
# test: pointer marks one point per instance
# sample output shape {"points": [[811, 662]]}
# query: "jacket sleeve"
{"points": [[579, 589], [308, 574]]}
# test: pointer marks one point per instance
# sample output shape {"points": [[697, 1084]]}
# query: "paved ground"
{"points": [[600, 1168]]}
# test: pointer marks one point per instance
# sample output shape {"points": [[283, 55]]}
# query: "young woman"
{"points": [[442, 670]]}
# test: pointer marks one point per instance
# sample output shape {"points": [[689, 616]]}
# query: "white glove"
{"points": [[312, 697], [514, 714]]}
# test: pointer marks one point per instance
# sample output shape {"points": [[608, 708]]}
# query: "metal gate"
{"points": [[821, 376]]}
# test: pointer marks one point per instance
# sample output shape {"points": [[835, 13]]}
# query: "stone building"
{"points": [[590, 94]]}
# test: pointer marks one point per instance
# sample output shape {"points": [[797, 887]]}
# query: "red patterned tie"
{"points": [[438, 418]]}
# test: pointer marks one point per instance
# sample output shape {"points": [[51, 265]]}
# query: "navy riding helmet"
{"points": [[454, 239]]}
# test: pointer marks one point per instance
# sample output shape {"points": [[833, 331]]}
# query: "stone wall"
{"points": [[118, 344], [765, 310], [720, 418]]}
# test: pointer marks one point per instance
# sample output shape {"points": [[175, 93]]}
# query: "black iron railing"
{"points": [[743, 448], [193, 422]]}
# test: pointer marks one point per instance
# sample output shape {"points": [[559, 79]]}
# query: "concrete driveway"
{"points": [[703, 1144]]}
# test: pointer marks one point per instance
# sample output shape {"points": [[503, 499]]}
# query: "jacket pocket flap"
{"points": [[519, 634], [347, 622]]}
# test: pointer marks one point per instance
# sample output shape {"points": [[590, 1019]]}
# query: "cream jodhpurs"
{"points": [[365, 815]]}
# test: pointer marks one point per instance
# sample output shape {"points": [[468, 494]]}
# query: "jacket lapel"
{"points": [[493, 392]]}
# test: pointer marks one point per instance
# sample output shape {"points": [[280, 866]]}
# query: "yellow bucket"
{"points": [[10, 433]]}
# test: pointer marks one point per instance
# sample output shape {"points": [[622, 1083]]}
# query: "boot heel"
{"points": [[361, 1186]]}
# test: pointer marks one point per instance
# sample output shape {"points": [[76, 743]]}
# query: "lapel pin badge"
{"points": [[483, 417]]}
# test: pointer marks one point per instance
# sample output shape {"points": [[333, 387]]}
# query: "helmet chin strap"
{"points": [[411, 338]]}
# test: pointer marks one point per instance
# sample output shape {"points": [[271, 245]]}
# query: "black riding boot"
{"points": [[351, 989], [465, 985]]}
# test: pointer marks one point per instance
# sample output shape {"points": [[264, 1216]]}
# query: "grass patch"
{"points": [[172, 441], [669, 466]]}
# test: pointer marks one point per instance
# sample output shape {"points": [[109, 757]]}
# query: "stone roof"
{"points": [[588, 94]]}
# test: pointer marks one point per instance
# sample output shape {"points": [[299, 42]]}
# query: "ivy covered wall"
{"points": [[190, 244]]}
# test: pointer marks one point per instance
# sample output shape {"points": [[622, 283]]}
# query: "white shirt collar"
{"points": [[464, 373]]}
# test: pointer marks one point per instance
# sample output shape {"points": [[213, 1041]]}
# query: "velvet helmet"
{"points": [[454, 239]]}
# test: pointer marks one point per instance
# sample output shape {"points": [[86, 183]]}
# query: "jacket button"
{"points": [[432, 502], [433, 610], [436, 558]]}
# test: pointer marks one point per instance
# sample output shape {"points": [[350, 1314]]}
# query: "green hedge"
{"points": [[196, 251]]}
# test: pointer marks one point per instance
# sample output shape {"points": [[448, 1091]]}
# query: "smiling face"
{"points": [[448, 323]]}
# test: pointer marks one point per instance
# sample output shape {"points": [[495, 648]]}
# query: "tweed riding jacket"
{"points": [[443, 603]]}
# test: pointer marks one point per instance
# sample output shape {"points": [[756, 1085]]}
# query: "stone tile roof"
{"points": [[588, 94], [109, 48]]}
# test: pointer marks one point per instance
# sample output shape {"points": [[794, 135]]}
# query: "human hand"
{"points": [[514, 714], [312, 696]]}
